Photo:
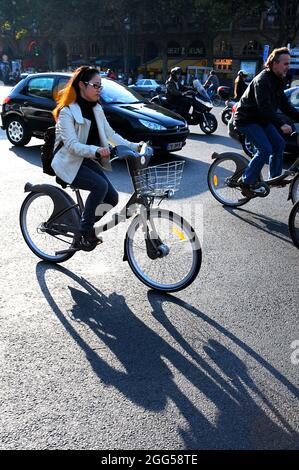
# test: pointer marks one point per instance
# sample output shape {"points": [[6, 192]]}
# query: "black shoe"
{"points": [[251, 190], [89, 238]]}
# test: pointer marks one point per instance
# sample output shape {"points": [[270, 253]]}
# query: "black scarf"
{"points": [[87, 113]]}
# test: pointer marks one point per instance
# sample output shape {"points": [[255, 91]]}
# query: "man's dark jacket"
{"points": [[172, 92], [260, 102]]}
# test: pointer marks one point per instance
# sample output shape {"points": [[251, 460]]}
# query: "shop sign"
{"points": [[195, 51], [223, 62]]}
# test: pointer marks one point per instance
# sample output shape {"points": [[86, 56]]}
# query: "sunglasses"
{"points": [[96, 86]]}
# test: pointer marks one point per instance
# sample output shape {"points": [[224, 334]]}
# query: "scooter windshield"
{"points": [[204, 95]]}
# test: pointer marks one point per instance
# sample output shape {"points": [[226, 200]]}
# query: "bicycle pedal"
{"points": [[64, 252]]}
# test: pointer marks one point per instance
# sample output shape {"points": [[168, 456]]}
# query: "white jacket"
{"points": [[73, 129]]}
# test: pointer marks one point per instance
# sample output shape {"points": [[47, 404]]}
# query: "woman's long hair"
{"points": [[71, 91]]}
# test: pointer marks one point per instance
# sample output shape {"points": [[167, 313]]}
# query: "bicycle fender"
{"points": [[291, 187], [61, 200], [125, 257]]}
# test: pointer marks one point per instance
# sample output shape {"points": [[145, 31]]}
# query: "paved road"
{"points": [[92, 359]]}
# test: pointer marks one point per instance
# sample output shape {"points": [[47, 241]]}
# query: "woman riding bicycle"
{"points": [[85, 133]]}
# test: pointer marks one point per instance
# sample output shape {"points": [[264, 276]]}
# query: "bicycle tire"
{"points": [[28, 236], [294, 224], [152, 272], [295, 189], [218, 177]]}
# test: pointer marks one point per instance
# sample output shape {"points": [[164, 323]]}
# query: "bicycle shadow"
{"points": [[146, 361], [262, 222], [244, 415]]}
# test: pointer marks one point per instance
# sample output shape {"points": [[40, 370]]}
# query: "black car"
{"points": [[27, 112]]}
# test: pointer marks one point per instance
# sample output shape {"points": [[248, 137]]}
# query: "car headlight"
{"points": [[154, 126]]}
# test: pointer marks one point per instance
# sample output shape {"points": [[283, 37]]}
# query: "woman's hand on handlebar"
{"points": [[103, 152], [140, 146]]}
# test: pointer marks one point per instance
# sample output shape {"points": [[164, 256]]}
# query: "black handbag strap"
{"points": [[58, 148]]}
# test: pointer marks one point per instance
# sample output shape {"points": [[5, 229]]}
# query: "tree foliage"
{"points": [[58, 18]]}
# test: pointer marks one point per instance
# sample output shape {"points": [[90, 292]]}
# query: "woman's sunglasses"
{"points": [[96, 86]]}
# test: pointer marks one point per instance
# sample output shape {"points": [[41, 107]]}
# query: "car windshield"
{"points": [[114, 93]]}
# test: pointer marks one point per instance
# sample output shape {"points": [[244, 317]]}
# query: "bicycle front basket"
{"points": [[158, 180]]}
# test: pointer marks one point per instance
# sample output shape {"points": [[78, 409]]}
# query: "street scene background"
{"points": [[92, 359]]}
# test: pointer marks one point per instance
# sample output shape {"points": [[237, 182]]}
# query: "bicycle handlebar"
{"points": [[122, 152]]}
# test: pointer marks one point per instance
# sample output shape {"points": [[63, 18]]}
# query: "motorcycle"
{"points": [[200, 108], [221, 94], [227, 111]]}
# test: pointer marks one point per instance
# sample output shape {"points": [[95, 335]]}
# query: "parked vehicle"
{"points": [[227, 111], [221, 95], [291, 139], [200, 108], [148, 87], [27, 112]]}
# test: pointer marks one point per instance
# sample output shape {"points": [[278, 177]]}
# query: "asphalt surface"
{"points": [[93, 359]]}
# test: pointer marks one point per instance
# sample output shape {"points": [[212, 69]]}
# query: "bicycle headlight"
{"points": [[154, 126]]}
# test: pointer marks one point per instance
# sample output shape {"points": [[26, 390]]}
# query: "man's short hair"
{"points": [[275, 56]]}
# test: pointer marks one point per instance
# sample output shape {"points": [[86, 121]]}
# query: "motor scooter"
{"points": [[227, 111], [200, 107]]}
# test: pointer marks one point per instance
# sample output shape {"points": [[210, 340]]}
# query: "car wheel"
{"points": [[248, 147], [17, 131]]}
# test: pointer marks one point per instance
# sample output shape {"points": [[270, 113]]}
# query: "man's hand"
{"points": [[103, 152], [286, 129]]}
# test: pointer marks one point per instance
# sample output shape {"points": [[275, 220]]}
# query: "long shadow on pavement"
{"points": [[146, 379], [262, 222]]}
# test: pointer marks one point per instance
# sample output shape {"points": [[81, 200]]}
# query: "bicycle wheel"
{"points": [[36, 209], [181, 262], [294, 224], [223, 175], [295, 190]]}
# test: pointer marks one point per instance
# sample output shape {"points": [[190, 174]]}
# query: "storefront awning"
{"points": [[157, 65]]}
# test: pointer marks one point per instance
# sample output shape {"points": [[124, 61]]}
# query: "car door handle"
{"points": [[26, 103]]}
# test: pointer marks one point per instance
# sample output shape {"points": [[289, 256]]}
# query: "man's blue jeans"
{"points": [[270, 148], [91, 178]]}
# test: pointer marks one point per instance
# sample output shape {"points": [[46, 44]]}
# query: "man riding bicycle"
{"points": [[258, 119]]}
